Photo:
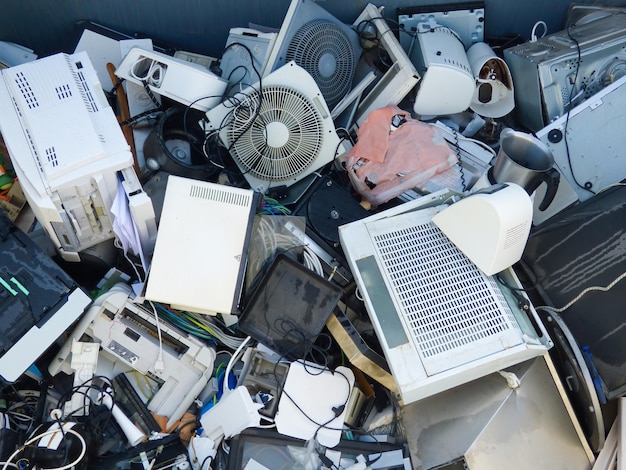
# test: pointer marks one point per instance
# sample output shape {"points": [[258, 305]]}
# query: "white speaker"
{"points": [[185, 82], [132, 432]]}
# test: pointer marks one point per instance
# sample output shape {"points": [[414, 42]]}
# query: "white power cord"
{"points": [[83, 451], [533, 33], [154, 73], [583, 293], [312, 261], [231, 363], [159, 364]]}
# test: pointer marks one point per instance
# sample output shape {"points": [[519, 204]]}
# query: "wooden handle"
{"points": [[122, 102]]}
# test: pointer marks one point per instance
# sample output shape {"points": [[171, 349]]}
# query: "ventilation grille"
{"points": [[31, 143], [223, 196], [323, 49], [456, 64], [25, 89], [17, 107], [85, 91], [279, 138], [51, 156], [63, 91], [565, 94], [546, 44], [516, 235], [453, 312]]}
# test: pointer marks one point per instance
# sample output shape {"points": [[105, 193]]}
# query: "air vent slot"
{"points": [[516, 235], [219, 195], [51, 156], [85, 91], [63, 91], [31, 143], [27, 92]]}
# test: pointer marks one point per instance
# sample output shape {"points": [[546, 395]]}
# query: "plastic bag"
{"points": [[395, 153], [305, 458]]}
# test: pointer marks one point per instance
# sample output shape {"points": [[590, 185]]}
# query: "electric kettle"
{"points": [[524, 160]]}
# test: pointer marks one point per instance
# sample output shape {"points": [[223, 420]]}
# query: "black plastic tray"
{"points": [[289, 308]]}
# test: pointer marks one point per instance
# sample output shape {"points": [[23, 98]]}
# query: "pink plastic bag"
{"points": [[395, 153]]}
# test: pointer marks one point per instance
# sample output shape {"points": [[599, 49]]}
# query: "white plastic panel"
{"points": [[452, 311], [200, 252]]}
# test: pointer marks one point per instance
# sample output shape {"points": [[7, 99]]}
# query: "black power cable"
{"points": [[587, 185]]}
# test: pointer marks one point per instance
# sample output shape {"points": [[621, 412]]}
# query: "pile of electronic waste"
{"points": [[304, 253]]}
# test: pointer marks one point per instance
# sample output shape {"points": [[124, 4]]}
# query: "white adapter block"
{"points": [[233, 413], [311, 396]]}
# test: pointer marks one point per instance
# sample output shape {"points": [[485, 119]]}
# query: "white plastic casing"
{"points": [[185, 82]]}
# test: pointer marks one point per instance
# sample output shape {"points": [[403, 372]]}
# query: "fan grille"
{"points": [[324, 50], [283, 140]]}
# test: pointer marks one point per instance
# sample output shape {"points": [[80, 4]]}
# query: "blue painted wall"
{"points": [[201, 26]]}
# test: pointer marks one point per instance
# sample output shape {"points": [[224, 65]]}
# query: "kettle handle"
{"points": [[551, 178], [506, 131]]}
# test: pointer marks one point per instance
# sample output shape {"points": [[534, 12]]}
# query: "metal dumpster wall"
{"points": [[201, 26]]}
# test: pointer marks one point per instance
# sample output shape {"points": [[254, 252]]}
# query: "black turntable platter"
{"points": [[328, 207]]}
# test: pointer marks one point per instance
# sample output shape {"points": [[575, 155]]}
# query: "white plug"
{"points": [[511, 379], [132, 433], [159, 365]]}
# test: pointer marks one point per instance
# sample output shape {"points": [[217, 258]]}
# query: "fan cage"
{"points": [[324, 50], [295, 114]]}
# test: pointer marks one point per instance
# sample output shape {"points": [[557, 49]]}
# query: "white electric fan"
{"points": [[321, 44], [279, 131]]}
